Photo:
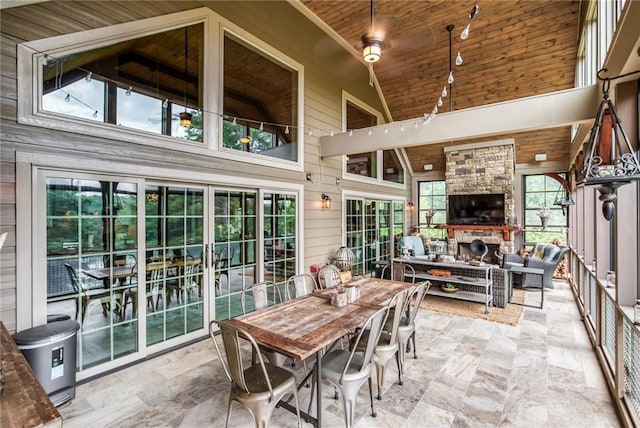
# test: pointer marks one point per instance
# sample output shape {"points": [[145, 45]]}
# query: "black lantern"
{"points": [[609, 162]]}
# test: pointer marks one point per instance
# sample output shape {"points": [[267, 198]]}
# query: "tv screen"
{"points": [[485, 209]]}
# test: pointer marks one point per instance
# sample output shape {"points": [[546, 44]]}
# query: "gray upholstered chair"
{"points": [[543, 256], [349, 370], [258, 387]]}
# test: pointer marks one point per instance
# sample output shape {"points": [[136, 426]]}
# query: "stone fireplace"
{"points": [[476, 169]]}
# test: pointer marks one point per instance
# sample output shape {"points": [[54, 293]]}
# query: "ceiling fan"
{"points": [[372, 42]]}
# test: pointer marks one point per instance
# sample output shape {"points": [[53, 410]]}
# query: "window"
{"points": [[142, 84], [432, 200], [371, 227], [543, 191], [260, 102], [382, 165], [279, 238]]}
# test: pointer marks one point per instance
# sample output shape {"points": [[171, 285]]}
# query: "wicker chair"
{"points": [[543, 256]]}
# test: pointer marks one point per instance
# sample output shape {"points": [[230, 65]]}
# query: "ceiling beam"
{"points": [[550, 110]]}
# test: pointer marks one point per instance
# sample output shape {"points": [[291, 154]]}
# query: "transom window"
{"points": [[147, 83]]}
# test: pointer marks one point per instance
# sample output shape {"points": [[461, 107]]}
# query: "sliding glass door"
{"points": [[143, 266]]}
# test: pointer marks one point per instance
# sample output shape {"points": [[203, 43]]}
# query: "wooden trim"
{"points": [[506, 230]]}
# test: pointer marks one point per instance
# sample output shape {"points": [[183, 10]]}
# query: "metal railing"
{"points": [[613, 335]]}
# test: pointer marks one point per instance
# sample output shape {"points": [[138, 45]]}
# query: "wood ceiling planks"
{"points": [[515, 49]]}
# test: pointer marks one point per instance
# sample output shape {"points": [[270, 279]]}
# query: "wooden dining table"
{"points": [[303, 327]]}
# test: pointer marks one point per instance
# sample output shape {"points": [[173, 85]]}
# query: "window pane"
{"points": [[362, 164], [260, 102], [142, 83], [432, 208], [391, 167], [544, 191]]}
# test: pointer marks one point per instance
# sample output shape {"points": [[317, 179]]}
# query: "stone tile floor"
{"points": [[469, 373]]}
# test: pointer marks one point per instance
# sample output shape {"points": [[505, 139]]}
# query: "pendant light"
{"points": [[610, 160], [185, 116]]}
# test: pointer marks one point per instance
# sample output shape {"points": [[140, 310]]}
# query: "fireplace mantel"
{"points": [[506, 235]]}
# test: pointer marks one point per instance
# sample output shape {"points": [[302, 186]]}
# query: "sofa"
{"points": [[543, 256]]}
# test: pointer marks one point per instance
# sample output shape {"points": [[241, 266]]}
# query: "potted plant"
{"points": [[449, 288], [429, 216], [544, 213]]}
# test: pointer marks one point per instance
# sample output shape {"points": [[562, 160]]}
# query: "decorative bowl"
{"points": [[449, 289]]}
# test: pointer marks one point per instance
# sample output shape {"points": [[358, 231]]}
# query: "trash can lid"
{"points": [[46, 333]]}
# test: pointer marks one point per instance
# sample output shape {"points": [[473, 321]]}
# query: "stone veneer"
{"points": [[482, 168]]}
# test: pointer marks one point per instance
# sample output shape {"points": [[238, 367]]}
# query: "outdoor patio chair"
{"points": [[259, 387], [348, 370]]}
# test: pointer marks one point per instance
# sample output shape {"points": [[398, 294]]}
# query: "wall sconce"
{"points": [[608, 163], [410, 207], [326, 201], [427, 166], [539, 157]]}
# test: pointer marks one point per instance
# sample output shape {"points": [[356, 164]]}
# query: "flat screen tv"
{"points": [[487, 209]]}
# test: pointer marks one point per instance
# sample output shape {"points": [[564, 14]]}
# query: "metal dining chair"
{"points": [[407, 327], [387, 346], [399, 272], [259, 387], [259, 294], [86, 295], [348, 370], [301, 285]]}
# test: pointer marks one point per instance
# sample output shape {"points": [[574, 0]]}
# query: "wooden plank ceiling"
{"points": [[515, 49]]}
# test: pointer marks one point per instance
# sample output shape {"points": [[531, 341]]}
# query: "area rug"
{"points": [[510, 315]]}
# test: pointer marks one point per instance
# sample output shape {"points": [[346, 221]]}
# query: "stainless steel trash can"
{"points": [[50, 350]]}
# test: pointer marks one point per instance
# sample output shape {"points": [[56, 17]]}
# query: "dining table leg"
{"points": [[318, 389]]}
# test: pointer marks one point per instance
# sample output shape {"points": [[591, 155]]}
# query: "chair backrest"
{"points": [[416, 297], [397, 302], [234, 366], [301, 284], [399, 272], [73, 277], [259, 294], [374, 326]]}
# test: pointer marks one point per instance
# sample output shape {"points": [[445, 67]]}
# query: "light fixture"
{"points": [[185, 116], [371, 45], [608, 163], [450, 79], [539, 157], [427, 166], [326, 201], [371, 49], [410, 207]]}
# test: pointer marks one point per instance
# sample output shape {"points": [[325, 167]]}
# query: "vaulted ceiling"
{"points": [[515, 49]]}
